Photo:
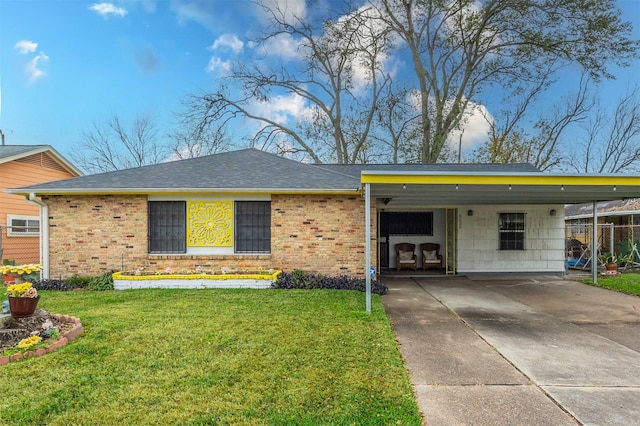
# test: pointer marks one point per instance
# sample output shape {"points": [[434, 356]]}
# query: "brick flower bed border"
{"points": [[66, 337]]}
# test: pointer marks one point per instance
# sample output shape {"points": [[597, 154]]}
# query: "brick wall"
{"points": [[320, 233], [90, 235]]}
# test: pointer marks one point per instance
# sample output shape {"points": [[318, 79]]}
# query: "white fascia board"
{"points": [[138, 191]]}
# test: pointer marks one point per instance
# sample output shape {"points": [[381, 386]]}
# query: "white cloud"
{"points": [[107, 9], [291, 9], [199, 12], [281, 108], [216, 65], [229, 41], [26, 46], [284, 46], [476, 123], [34, 70], [476, 128]]}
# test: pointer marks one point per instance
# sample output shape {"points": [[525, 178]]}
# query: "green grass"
{"points": [[198, 357], [626, 283]]}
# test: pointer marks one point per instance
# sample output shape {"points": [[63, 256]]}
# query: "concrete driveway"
{"points": [[542, 351]]}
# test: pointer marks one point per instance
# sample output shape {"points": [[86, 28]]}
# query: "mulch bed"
{"points": [[13, 330]]}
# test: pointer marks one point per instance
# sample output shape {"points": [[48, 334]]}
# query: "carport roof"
{"points": [[402, 189]]}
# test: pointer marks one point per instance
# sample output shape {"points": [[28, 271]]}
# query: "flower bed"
{"points": [[126, 280], [38, 335]]}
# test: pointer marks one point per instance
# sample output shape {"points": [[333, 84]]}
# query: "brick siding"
{"points": [[321, 233], [90, 235]]}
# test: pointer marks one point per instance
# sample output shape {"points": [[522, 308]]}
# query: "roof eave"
{"points": [[46, 148], [144, 191]]}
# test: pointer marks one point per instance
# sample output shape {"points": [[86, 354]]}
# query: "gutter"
{"points": [[44, 233], [154, 191]]}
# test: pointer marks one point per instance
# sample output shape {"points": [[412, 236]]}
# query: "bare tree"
{"points": [[110, 146], [612, 144], [399, 122], [339, 79], [510, 142], [193, 140], [462, 49]]}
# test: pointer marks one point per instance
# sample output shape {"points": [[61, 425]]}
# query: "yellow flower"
{"points": [[29, 341], [27, 268], [18, 290]]}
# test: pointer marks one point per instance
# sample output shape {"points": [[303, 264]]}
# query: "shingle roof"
{"points": [[7, 151], [10, 153], [247, 169], [605, 208]]}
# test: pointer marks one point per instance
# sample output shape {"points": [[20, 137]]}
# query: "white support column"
{"points": [[44, 234], [594, 244], [367, 243]]}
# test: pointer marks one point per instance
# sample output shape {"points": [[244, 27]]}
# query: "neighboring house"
{"points": [[22, 165], [252, 209], [618, 224]]}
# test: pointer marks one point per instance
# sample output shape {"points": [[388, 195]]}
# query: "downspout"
{"points": [[594, 244], [44, 233]]}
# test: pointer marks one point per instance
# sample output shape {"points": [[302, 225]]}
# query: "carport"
{"points": [[407, 189]]}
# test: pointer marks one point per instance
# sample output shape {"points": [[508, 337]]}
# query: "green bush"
{"points": [[77, 281], [102, 282], [96, 283], [299, 279]]}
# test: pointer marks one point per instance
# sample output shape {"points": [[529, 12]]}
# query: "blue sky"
{"points": [[67, 64]]}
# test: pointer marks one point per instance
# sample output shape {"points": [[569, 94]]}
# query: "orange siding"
{"points": [[16, 174]]}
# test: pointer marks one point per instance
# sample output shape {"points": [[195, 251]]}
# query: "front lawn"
{"points": [[626, 283], [199, 357]]}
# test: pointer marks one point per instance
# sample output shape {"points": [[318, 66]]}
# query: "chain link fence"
{"points": [[16, 246], [621, 240]]}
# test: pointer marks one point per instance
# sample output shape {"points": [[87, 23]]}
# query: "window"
{"points": [[167, 227], [511, 231], [406, 223], [253, 227], [23, 226]]}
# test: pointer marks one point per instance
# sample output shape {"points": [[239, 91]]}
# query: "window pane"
{"points": [[511, 231], [24, 226], [253, 227], [167, 227]]}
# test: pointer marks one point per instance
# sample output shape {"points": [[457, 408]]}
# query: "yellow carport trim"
{"points": [[482, 179]]}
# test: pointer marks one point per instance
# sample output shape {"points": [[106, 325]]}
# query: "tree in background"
{"points": [[111, 146], [462, 50], [612, 144], [191, 140], [510, 142], [338, 77]]}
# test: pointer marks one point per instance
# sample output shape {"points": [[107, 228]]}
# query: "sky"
{"points": [[67, 64]]}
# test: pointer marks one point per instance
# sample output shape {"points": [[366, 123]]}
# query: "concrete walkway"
{"points": [[518, 351]]}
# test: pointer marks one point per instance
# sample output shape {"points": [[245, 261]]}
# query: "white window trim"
{"points": [[11, 233], [524, 231]]}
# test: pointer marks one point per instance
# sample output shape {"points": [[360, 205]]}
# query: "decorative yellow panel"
{"points": [[210, 223]]}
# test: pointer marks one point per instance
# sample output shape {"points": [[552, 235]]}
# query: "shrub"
{"points": [[299, 279], [102, 282], [60, 285], [97, 283], [77, 281]]}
